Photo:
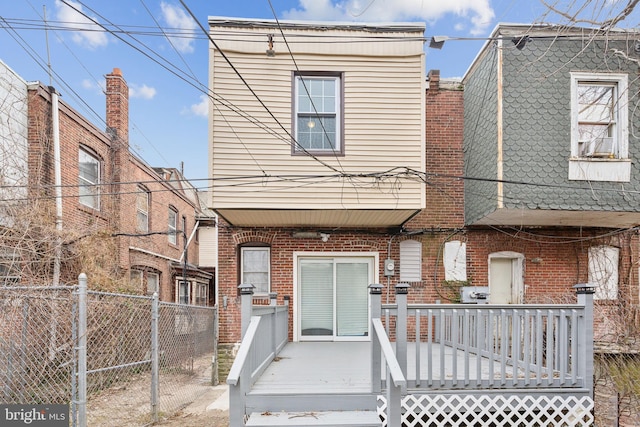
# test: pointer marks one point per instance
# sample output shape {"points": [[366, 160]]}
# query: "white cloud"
{"points": [[87, 33], [478, 12], [91, 85], [141, 91], [177, 19], [200, 109]]}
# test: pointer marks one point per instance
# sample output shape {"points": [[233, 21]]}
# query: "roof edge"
{"points": [[221, 21]]}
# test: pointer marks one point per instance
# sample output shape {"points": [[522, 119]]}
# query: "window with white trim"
{"points": [[599, 127], [317, 113], [603, 271], [184, 293], [142, 209], [255, 262], [410, 261], [89, 179], [173, 225], [201, 293]]}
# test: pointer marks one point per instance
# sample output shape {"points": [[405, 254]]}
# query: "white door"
{"points": [[505, 279], [334, 298]]}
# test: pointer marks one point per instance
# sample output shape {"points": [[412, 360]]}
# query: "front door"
{"points": [[333, 298]]}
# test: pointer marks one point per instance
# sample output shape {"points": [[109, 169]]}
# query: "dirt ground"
{"points": [[127, 403], [197, 414]]}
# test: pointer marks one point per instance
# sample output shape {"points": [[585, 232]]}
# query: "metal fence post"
{"points": [[82, 351], [584, 292], [155, 374], [375, 290], [402, 289]]}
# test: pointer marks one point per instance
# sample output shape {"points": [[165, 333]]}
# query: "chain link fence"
{"points": [[132, 361]]}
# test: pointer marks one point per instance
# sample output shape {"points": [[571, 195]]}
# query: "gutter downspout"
{"points": [[500, 172], [55, 119]]}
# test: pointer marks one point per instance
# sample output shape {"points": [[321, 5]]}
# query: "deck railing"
{"points": [[493, 346], [381, 348], [265, 331]]}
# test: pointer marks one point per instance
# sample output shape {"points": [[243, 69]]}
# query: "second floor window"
{"points": [[89, 179], [318, 119], [173, 225], [599, 116], [142, 209]]}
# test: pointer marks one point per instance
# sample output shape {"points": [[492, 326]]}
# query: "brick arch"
{"points": [[368, 244], [253, 236]]}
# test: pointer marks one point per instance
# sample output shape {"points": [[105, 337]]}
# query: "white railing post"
{"points": [[402, 289], [273, 301], [375, 290], [246, 301], [584, 292]]}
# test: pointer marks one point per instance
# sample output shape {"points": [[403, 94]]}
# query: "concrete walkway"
{"points": [[216, 399]]}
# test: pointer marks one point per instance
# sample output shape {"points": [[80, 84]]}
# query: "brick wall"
{"points": [[112, 228], [444, 123]]}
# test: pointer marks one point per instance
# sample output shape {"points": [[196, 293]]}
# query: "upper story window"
{"points": [[317, 111], [255, 264], [599, 127], [142, 209], [173, 225], [89, 179]]}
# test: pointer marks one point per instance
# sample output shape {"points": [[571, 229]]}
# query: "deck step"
{"points": [[320, 418], [307, 402]]}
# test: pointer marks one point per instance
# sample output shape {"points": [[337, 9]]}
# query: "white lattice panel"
{"points": [[492, 411]]}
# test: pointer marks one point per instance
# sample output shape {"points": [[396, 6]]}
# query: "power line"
{"points": [[255, 95]]}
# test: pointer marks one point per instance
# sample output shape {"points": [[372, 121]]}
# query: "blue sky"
{"points": [[168, 123]]}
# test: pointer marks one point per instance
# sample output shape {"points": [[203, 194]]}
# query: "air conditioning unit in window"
{"points": [[598, 147]]}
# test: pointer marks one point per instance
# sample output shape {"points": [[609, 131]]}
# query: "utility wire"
{"points": [[255, 95]]}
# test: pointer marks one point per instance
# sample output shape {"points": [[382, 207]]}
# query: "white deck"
{"points": [[322, 367], [333, 367]]}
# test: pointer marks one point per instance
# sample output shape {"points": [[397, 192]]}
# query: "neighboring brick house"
{"points": [[551, 138], [551, 146], [129, 226]]}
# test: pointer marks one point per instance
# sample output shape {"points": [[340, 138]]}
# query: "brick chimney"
{"points": [[118, 107], [434, 81]]}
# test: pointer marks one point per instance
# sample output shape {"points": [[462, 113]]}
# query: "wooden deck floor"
{"points": [[333, 367], [323, 367]]}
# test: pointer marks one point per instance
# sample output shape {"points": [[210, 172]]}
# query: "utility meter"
{"points": [[389, 267]]}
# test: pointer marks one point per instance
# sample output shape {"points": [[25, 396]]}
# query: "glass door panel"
{"points": [[316, 298], [352, 310]]}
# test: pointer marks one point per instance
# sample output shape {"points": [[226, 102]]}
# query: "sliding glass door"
{"points": [[334, 298]]}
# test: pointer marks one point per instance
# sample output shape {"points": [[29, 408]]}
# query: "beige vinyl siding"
{"points": [[383, 125]]}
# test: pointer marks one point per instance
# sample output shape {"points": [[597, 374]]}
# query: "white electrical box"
{"points": [[474, 294]]}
